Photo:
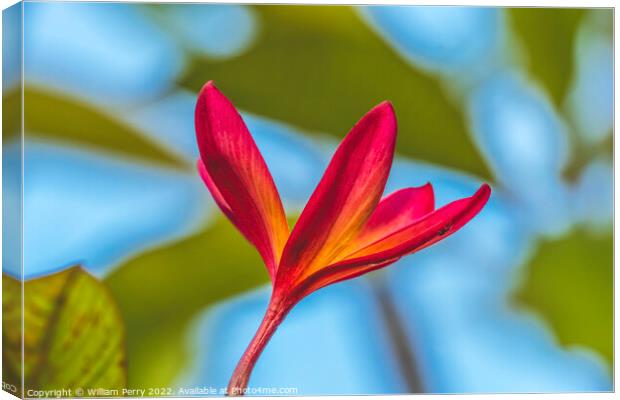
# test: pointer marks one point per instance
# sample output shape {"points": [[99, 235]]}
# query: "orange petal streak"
{"points": [[344, 199]]}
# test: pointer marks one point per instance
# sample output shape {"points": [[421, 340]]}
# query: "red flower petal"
{"points": [[420, 234], [237, 176], [394, 212], [217, 196], [344, 199]]}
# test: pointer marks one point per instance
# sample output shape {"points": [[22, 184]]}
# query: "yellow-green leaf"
{"points": [[548, 36], [11, 334], [11, 110], [74, 336], [54, 116], [570, 282]]}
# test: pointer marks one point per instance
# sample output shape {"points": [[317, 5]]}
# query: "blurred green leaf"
{"points": [[51, 115], [11, 110], [548, 35], [322, 68], [570, 281], [159, 292], [74, 335], [11, 333]]}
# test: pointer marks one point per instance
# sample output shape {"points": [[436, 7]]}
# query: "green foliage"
{"points": [[548, 35], [570, 281], [12, 333], [54, 116], [322, 68], [11, 109], [160, 291], [74, 335]]}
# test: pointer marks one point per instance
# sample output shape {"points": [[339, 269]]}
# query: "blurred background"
{"points": [[169, 294]]}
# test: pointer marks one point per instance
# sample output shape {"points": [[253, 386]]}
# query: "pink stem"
{"points": [[276, 311]]}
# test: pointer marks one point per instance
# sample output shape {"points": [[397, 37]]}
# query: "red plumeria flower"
{"points": [[344, 231]]}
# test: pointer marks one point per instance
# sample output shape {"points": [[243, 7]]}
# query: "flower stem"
{"points": [[276, 311]]}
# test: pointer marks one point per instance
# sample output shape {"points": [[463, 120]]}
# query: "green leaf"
{"points": [[11, 109], [570, 282], [73, 332], [51, 115], [322, 68], [11, 334], [548, 36], [160, 291]]}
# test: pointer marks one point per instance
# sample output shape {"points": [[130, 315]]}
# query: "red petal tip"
{"points": [[208, 87], [384, 107], [429, 188], [484, 191], [383, 112]]}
